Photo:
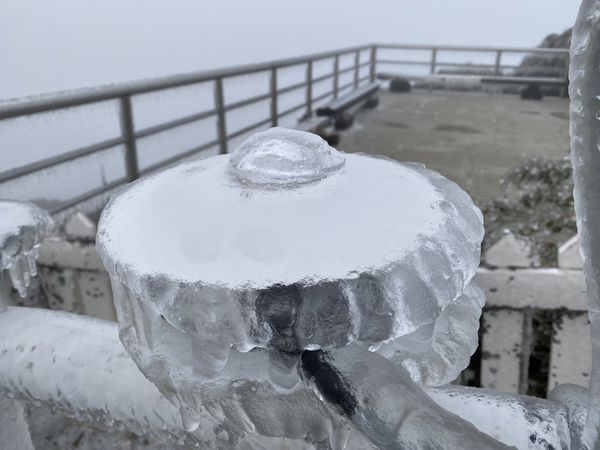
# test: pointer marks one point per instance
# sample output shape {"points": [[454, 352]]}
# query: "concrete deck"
{"points": [[471, 138]]}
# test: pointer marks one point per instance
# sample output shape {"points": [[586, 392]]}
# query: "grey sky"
{"points": [[48, 46]]}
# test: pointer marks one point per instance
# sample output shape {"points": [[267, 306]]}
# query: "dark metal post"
{"points": [[498, 62], [373, 66], [336, 76], [220, 108], [433, 61], [128, 132], [356, 68], [309, 88], [273, 92]]}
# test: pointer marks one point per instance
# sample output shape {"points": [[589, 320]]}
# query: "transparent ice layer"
{"points": [[22, 228], [435, 354], [234, 265], [279, 157]]}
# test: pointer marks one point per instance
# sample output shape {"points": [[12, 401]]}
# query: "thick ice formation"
{"points": [[436, 353], [226, 269], [584, 91], [76, 365], [22, 228]]}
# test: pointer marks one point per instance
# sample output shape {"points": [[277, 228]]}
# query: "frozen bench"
{"points": [[340, 108], [319, 126], [314, 124]]}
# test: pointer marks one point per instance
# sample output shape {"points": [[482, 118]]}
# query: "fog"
{"points": [[66, 44]]}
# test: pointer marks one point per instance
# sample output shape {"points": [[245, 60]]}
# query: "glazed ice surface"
{"points": [[213, 260], [201, 226]]}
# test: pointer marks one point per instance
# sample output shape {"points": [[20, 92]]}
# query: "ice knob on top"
{"points": [[281, 157]]}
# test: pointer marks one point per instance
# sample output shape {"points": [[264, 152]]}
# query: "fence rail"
{"points": [[123, 93]]}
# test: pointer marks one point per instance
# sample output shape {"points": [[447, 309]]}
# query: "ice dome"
{"points": [[286, 245]]}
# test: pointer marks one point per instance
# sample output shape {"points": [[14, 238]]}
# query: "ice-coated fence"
{"points": [[535, 326], [77, 147], [512, 337]]}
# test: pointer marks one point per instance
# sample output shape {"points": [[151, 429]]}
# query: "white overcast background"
{"points": [[48, 46]]}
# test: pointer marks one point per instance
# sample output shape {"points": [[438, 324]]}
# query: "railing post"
{"points": [[433, 61], [498, 62], [564, 91], [356, 68], [273, 89], [128, 133], [336, 76], [220, 108], [309, 88], [373, 65]]}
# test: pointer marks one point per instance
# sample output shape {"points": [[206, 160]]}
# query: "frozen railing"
{"points": [[283, 97], [499, 61], [130, 135]]}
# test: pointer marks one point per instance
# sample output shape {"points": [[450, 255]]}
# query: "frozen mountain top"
{"points": [[284, 208], [22, 228]]}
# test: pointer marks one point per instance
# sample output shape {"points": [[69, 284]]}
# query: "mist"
{"points": [[61, 45]]}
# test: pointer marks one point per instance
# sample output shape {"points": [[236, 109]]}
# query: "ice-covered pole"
{"points": [[79, 367], [585, 156]]}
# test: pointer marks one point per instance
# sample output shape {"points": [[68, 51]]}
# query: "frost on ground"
{"points": [[245, 263]]}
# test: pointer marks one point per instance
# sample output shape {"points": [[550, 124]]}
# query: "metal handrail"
{"points": [[110, 92], [466, 48], [124, 92]]}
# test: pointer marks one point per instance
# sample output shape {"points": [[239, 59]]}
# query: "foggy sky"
{"points": [[48, 46]]}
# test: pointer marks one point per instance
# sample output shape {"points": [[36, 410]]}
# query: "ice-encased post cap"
{"points": [[281, 157]]}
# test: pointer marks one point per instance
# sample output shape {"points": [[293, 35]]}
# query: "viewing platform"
{"points": [[473, 138]]}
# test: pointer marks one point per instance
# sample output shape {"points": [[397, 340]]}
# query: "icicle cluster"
{"points": [[22, 228]]}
